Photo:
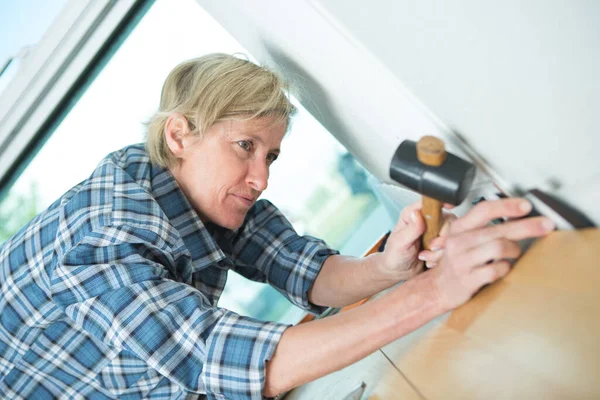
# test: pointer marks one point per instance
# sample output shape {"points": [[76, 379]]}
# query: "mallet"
{"points": [[441, 177]]}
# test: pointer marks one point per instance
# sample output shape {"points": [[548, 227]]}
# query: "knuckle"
{"points": [[492, 274], [507, 248], [514, 205], [459, 264], [482, 207], [497, 248], [515, 250], [451, 243], [528, 225], [503, 268], [410, 208], [405, 213], [437, 256], [533, 225], [497, 270], [539, 226]]}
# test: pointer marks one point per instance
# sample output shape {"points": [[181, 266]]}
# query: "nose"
{"points": [[258, 175]]}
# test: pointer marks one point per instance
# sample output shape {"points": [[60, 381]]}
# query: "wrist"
{"points": [[391, 271], [378, 264], [428, 283], [412, 305]]}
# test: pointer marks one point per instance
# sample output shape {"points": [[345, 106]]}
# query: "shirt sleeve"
{"points": [[114, 285], [267, 248]]}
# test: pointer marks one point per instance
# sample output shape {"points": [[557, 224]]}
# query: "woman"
{"points": [[112, 291]]}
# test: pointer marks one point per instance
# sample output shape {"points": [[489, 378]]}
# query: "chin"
{"points": [[233, 222], [232, 225]]}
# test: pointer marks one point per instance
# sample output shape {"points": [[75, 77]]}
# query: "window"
{"points": [[24, 23], [315, 182]]}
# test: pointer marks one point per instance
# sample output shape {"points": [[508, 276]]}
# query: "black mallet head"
{"points": [[449, 183]]}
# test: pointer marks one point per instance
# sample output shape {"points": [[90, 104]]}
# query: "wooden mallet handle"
{"points": [[431, 151]]}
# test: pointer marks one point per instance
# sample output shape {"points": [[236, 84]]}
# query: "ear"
{"points": [[176, 130]]}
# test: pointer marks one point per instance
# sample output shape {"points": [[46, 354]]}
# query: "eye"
{"points": [[245, 144], [271, 157]]}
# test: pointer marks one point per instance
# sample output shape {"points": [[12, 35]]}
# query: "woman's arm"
{"points": [[116, 285], [474, 255], [310, 350], [344, 280]]}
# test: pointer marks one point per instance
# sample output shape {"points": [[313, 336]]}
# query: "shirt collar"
{"points": [[196, 237]]}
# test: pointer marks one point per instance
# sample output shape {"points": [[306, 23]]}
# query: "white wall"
{"points": [[517, 79]]}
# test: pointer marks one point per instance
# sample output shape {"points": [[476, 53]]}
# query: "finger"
{"points": [[431, 256], [405, 215], [513, 230], [438, 243], [489, 273], [448, 206], [448, 218], [486, 211], [497, 249]]}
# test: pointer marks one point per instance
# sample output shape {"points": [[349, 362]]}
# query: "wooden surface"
{"points": [[534, 335]]}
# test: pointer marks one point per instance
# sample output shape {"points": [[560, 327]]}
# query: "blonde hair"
{"points": [[213, 88]]}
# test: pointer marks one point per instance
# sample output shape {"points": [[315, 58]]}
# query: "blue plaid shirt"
{"points": [[112, 292]]}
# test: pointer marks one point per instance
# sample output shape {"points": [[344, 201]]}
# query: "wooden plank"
{"points": [[532, 335]]}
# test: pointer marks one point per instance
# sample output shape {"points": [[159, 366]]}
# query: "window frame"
{"points": [[55, 73]]}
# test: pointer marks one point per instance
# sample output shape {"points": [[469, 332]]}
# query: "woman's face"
{"points": [[224, 173]]}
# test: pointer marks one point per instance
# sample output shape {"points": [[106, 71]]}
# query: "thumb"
{"points": [[413, 230]]}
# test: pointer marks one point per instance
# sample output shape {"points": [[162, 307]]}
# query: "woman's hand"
{"points": [[473, 254], [399, 258], [433, 256]]}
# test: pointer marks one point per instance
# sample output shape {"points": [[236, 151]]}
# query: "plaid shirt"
{"points": [[112, 292]]}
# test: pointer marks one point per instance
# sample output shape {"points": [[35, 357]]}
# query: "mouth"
{"points": [[244, 199]]}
